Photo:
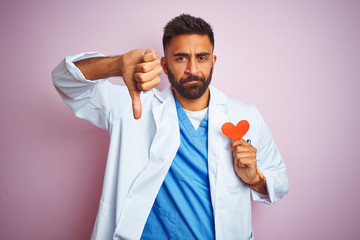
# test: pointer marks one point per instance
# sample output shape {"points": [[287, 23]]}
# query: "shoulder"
{"points": [[232, 106]]}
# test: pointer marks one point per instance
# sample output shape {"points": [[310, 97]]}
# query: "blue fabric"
{"points": [[182, 208]]}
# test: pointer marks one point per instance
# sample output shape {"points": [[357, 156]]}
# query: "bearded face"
{"points": [[192, 87]]}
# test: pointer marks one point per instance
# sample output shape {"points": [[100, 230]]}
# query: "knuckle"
{"points": [[143, 68], [153, 53], [141, 78], [143, 87], [139, 68], [150, 54], [159, 70]]}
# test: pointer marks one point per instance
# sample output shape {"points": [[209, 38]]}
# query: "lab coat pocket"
{"points": [[231, 180]]}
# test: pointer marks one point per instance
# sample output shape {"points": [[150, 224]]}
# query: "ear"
{"points": [[164, 65], [214, 61]]}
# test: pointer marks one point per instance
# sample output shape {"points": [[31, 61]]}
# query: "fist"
{"points": [[141, 71], [244, 161]]}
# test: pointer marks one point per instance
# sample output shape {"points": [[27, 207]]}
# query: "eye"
{"points": [[202, 58], [181, 59]]}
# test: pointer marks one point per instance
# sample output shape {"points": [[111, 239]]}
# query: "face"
{"points": [[189, 64]]}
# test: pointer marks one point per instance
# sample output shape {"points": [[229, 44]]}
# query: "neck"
{"points": [[194, 104]]}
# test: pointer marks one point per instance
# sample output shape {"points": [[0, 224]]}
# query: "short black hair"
{"points": [[186, 24]]}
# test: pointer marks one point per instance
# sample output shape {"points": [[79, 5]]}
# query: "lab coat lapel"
{"points": [[163, 149], [167, 128], [216, 140]]}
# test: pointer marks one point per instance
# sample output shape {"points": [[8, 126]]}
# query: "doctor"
{"points": [[171, 173]]}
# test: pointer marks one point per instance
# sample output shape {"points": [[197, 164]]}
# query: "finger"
{"points": [[239, 155], [148, 76], [245, 162], [239, 164], [237, 142], [136, 103], [150, 55], [241, 148], [148, 85], [147, 66]]}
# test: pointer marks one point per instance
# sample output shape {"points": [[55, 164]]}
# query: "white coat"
{"points": [[141, 152]]}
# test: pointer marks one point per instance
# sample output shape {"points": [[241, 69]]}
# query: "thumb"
{"points": [[136, 103], [150, 55]]}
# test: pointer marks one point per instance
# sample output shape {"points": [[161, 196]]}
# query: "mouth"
{"points": [[192, 82]]}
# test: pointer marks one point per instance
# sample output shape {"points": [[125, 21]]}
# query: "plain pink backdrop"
{"points": [[297, 61]]}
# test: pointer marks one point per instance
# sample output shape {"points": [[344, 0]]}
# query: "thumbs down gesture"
{"points": [[141, 71]]}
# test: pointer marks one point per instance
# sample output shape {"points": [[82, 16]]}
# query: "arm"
{"points": [[270, 163], [262, 168], [139, 68], [81, 81], [100, 67]]}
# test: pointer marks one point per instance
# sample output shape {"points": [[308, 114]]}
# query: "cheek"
{"points": [[206, 71], [178, 71]]}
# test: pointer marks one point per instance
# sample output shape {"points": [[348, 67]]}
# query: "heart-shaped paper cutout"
{"points": [[237, 132]]}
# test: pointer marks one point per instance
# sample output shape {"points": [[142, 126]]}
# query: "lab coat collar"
{"points": [[216, 96], [165, 94]]}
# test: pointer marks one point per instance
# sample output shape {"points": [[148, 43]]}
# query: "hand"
{"points": [[141, 72], [244, 161]]}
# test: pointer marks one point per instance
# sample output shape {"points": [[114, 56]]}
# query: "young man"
{"points": [[171, 173]]}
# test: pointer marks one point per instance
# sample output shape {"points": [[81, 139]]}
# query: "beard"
{"points": [[193, 90]]}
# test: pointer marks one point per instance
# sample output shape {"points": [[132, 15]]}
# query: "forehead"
{"points": [[189, 43]]}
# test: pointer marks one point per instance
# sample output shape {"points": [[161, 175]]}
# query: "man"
{"points": [[171, 173]]}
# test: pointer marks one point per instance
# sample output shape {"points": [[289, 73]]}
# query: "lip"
{"points": [[192, 82]]}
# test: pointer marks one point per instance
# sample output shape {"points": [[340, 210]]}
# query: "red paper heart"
{"points": [[237, 132]]}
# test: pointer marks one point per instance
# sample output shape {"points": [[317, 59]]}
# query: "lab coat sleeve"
{"points": [[91, 100], [271, 165]]}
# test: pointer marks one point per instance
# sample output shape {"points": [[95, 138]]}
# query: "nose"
{"points": [[192, 68]]}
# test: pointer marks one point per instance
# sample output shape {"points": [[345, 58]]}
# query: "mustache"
{"points": [[192, 78]]}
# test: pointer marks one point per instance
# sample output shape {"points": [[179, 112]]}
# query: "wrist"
{"points": [[117, 65], [259, 184]]}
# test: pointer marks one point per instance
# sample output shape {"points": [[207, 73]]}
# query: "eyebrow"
{"points": [[182, 54]]}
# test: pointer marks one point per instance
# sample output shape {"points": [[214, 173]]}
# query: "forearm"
{"points": [[100, 67]]}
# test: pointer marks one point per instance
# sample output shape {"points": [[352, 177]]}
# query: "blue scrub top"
{"points": [[182, 208]]}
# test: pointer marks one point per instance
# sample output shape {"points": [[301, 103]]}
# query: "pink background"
{"points": [[297, 61]]}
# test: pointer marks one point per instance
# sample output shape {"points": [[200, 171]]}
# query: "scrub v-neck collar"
{"points": [[184, 119]]}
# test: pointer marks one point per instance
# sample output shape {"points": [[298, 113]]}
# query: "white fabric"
{"points": [[141, 152], [196, 117]]}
